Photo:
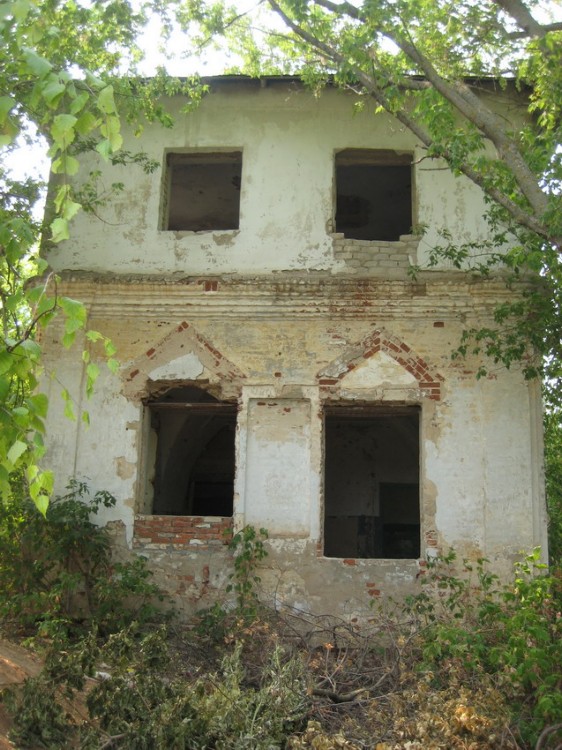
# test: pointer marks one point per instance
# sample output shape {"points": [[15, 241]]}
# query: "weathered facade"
{"points": [[279, 366]]}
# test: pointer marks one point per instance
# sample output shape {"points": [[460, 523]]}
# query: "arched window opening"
{"points": [[191, 452]]}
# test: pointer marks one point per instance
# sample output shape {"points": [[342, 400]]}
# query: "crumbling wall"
{"points": [[284, 351]]}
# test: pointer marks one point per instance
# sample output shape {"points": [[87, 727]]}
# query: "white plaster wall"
{"points": [[288, 138], [105, 452], [277, 466], [482, 463]]}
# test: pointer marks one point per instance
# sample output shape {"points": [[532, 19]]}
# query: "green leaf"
{"points": [[110, 130], [79, 102], [31, 348], [39, 403], [104, 149], [16, 451], [21, 9], [74, 311], [106, 102], [70, 166], [8, 131], [4, 388], [68, 339], [62, 195], [53, 92], [6, 361], [71, 208], [38, 65], [7, 103], [68, 405], [92, 374], [59, 229], [62, 130], [42, 504], [86, 123]]}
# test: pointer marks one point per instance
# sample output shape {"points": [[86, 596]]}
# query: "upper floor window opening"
{"points": [[373, 194], [203, 191]]}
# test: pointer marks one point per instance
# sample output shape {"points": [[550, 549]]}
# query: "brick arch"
{"points": [[183, 339], [429, 381]]}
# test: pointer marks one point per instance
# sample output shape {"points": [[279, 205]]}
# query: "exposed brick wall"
{"points": [[182, 337], [429, 382], [372, 257], [192, 532]]}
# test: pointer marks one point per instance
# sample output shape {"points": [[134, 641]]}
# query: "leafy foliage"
{"points": [[56, 571], [471, 629], [467, 662], [553, 472], [136, 703], [248, 547], [222, 622], [60, 86]]}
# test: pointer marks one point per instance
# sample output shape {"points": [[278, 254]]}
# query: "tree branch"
{"points": [[467, 103], [546, 28], [522, 16], [458, 93]]}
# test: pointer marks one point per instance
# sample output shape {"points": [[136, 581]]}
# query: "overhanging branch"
{"points": [[466, 102]]}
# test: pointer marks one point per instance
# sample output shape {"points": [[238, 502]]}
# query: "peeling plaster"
{"points": [[125, 469], [282, 317], [187, 367]]}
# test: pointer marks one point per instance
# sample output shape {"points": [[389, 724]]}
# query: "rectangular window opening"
{"points": [[191, 454], [203, 191], [373, 194], [371, 482]]}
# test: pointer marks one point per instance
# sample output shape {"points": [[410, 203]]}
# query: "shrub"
{"points": [[140, 704], [56, 572], [468, 628]]}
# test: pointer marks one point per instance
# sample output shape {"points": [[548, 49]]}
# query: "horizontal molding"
{"points": [[440, 295]]}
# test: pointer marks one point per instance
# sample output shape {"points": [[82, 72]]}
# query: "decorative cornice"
{"points": [[434, 294]]}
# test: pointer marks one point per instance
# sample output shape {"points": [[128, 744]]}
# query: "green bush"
{"points": [[469, 627], [553, 476], [140, 703], [219, 622], [39, 718], [56, 572]]}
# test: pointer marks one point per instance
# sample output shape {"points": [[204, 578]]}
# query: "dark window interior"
{"points": [[371, 482], [204, 191], [194, 471], [373, 194]]}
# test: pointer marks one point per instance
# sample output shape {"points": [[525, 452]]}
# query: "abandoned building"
{"points": [[280, 367]]}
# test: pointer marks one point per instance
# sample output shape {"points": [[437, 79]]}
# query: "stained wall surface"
{"points": [[287, 321]]}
